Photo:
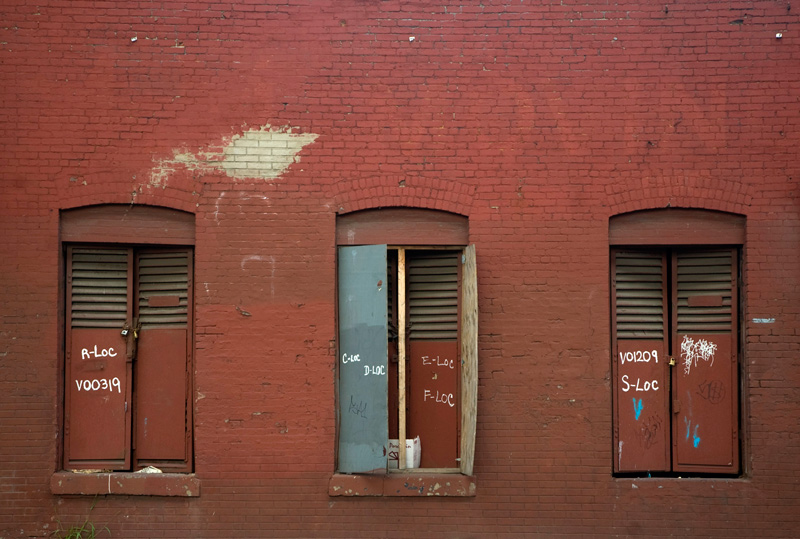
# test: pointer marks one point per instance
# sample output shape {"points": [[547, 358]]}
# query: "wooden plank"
{"points": [[469, 359], [427, 471], [401, 358]]}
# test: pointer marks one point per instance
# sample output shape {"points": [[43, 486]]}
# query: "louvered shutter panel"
{"points": [[99, 291], [97, 422], [363, 361], [433, 397], [163, 288], [705, 292], [163, 413], [705, 430], [641, 362], [639, 293], [433, 295]]}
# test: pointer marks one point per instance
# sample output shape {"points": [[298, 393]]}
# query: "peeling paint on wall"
{"points": [[263, 153]]}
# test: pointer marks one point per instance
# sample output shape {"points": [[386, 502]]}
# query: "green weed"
{"points": [[87, 530]]}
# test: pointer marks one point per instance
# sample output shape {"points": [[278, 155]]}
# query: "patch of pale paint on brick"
{"points": [[264, 153], [159, 175]]}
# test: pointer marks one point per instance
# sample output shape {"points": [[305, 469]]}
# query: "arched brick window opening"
{"points": [[407, 358], [675, 304], [129, 319]]}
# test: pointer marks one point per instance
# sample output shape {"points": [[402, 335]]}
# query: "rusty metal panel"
{"points": [[363, 368], [98, 391], [642, 421], [705, 380], [640, 365], [433, 401], [705, 431], [433, 409], [161, 394], [162, 421]]}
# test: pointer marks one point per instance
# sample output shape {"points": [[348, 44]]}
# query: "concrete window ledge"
{"points": [[130, 484], [413, 484]]}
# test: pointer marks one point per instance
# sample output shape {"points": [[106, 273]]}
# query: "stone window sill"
{"points": [[402, 484], [125, 483]]}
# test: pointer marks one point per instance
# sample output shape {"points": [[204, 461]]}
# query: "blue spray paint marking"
{"points": [[637, 408], [695, 437]]}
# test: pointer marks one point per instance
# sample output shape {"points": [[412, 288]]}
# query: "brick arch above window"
{"points": [[728, 196], [424, 306], [127, 310], [675, 289], [425, 193], [182, 193]]}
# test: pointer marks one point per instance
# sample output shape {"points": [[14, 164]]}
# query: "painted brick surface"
{"points": [[537, 120]]}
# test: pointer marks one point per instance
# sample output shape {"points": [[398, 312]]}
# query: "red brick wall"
{"points": [[537, 120]]}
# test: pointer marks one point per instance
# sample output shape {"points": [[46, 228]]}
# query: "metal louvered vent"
{"points": [[99, 293], [704, 292], [163, 288], [639, 295], [433, 295]]}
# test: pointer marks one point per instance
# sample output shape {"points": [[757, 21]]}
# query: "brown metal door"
{"points": [[110, 341], [641, 362], [434, 369], [162, 407], [705, 426], [97, 411]]}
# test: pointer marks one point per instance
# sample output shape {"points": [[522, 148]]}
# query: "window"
{"points": [[128, 345], [407, 353], [675, 345], [128, 341]]}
